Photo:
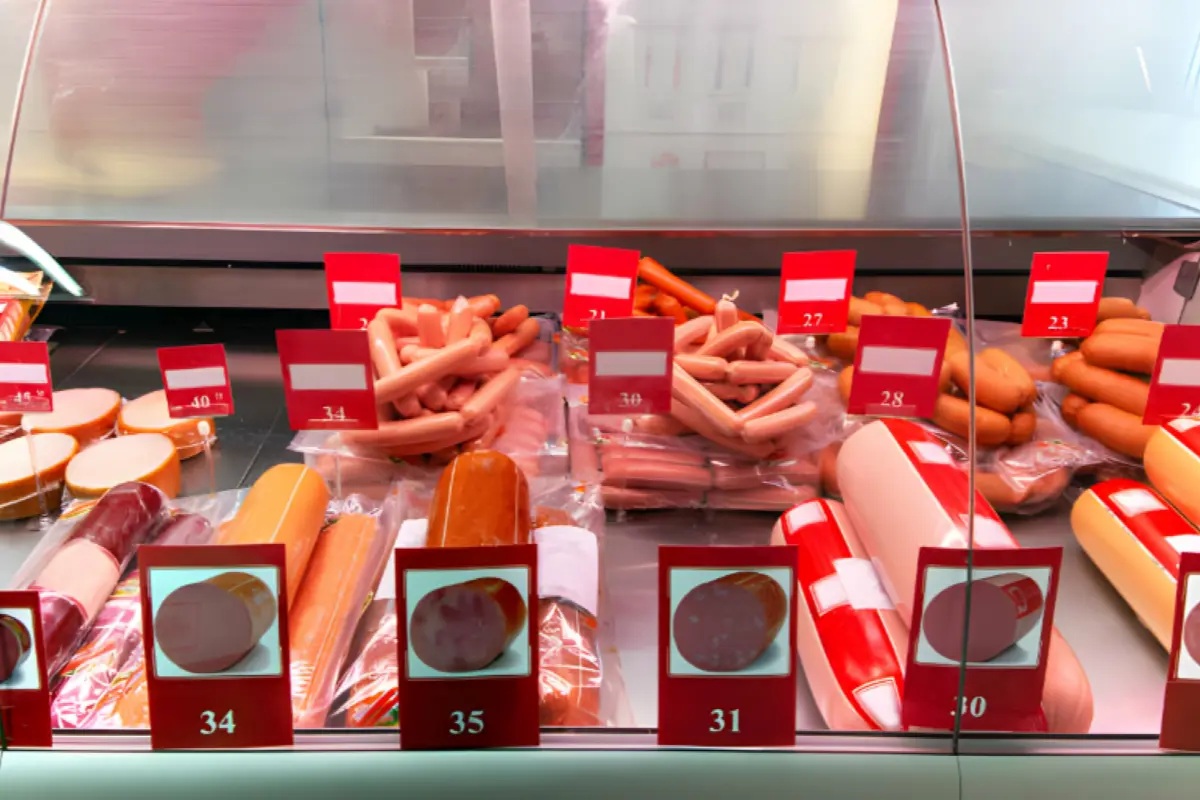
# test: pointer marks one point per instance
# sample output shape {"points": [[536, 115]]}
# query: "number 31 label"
{"points": [[726, 721]]}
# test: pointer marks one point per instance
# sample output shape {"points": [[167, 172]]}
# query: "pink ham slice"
{"points": [[86, 414], [144, 457]]}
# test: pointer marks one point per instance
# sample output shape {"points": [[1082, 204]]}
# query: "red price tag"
{"points": [[1175, 383], [1008, 637], [1181, 705], [1063, 294], [25, 378], [24, 690], [196, 381], [600, 283], [359, 284], [215, 629], [727, 646], [467, 679], [327, 380], [814, 291], [629, 365], [897, 366]]}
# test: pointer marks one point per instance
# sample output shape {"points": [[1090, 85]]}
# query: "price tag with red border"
{"points": [[468, 647], [1175, 382], [327, 380], [1063, 294], [1012, 614], [727, 646], [196, 381], [1181, 704], [814, 291], [25, 378], [24, 690], [897, 366], [359, 284], [629, 365], [600, 284], [215, 634]]}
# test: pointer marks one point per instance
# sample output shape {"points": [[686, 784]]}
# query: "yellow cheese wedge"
{"points": [[148, 414], [146, 457], [86, 414], [18, 489]]}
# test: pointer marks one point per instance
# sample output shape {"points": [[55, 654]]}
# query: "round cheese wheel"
{"points": [[18, 489], [148, 414], [86, 414], [146, 457]]}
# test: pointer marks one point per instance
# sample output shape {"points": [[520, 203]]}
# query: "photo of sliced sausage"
{"points": [[465, 627], [1003, 609], [726, 624], [15, 645], [211, 625], [1191, 633]]}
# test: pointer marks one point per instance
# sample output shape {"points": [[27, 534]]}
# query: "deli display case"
{"points": [[966, 546]]}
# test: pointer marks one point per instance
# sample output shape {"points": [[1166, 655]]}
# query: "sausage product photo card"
{"points": [[727, 646], [215, 625], [1181, 705], [467, 647], [998, 617], [24, 691]]}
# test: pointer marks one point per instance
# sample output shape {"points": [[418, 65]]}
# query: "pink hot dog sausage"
{"points": [[519, 339], [458, 323], [509, 321], [641, 474], [726, 315], [402, 322], [782, 350], [413, 376], [772, 426], [720, 416], [779, 398], [612, 453], [407, 431], [852, 644], [737, 476], [488, 396], [461, 392], [429, 327], [432, 396], [743, 334], [727, 391], [492, 360], [743, 372], [705, 368], [692, 330], [762, 498], [632, 499], [698, 423]]}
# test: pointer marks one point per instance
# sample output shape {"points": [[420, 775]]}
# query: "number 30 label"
{"points": [[468, 722], [209, 724]]}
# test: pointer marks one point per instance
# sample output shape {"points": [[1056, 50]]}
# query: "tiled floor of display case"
{"points": [[1124, 663]]}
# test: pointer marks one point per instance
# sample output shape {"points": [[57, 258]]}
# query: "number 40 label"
{"points": [[210, 725]]}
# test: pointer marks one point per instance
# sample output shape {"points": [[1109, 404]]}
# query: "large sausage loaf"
{"points": [[1173, 464], [482, 498], [904, 492], [1134, 537], [851, 642]]}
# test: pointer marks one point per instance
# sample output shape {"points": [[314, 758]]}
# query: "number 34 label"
{"points": [[210, 725]]}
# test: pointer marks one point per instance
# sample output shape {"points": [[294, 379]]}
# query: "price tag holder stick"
{"points": [[727, 646], [1012, 597]]}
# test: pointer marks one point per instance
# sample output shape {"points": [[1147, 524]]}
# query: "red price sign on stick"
{"points": [[629, 365], [359, 284], [327, 380], [25, 378], [1181, 705], [196, 381], [215, 625], [897, 366], [1175, 382], [814, 291], [727, 646], [600, 283], [468, 647], [24, 690], [1012, 595], [1063, 294]]}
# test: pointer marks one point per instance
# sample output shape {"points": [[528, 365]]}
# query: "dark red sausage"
{"points": [[122, 519], [211, 625], [1003, 609], [726, 624], [185, 529], [1191, 633], [15, 644], [466, 626]]}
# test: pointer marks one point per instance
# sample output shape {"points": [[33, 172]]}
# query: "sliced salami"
{"points": [[1003, 609], [726, 624]]}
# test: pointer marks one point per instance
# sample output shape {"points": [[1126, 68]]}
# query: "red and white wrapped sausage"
{"points": [[851, 642], [903, 491]]}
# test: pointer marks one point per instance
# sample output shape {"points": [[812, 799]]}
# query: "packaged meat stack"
{"points": [[483, 499], [116, 634], [1109, 382], [77, 566]]}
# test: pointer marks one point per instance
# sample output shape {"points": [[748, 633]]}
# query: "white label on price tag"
{"points": [[630, 363], [1185, 425], [584, 284], [1185, 543], [23, 373], [197, 378], [364, 293], [1064, 292], [898, 360], [1180, 372], [815, 290], [328, 377]]}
